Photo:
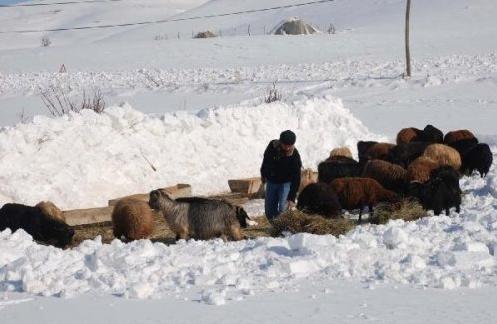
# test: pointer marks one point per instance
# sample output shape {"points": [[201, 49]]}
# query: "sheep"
{"points": [[449, 176], [362, 150], [432, 134], [403, 154], [133, 219], [319, 198], [420, 169], [443, 155], [478, 158], [407, 135], [330, 170], [199, 218], [436, 195], [51, 210], [464, 145], [41, 227], [390, 176], [306, 179], [341, 151], [458, 135], [379, 151], [360, 192]]}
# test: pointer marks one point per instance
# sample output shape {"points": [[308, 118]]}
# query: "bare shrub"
{"points": [[273, 94], [58, 102], [45, 41], [331, 29]]}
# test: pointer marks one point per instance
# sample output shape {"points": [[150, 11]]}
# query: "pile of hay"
{"points": [[406, 209], [295, 221], [205, 34], [294, 26]]}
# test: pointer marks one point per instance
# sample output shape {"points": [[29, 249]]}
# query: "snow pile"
{"points": [[84, 160], [440, 252]]}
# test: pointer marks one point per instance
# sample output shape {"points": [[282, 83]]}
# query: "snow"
{"points": [[86, 159], [188, 105]]}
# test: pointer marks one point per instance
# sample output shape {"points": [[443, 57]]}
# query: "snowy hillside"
{"points": [[195, 109]]}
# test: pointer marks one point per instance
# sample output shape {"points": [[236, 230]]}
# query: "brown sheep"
{"points": [[133, 219], [457, 135], [307, 177], [50, 210], [360, 192], [407, 135], [420, 169], [443, 155], [341, 151], [380, 151], [389, 175]]}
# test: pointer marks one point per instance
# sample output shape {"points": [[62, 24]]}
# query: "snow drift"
{"points": [[438, 252], [84, 160]]}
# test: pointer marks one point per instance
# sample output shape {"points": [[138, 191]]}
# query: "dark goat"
{"points": [[319, 198], [41, 227]]}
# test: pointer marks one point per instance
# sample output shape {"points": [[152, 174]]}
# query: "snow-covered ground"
{"points": [[194, 108]]}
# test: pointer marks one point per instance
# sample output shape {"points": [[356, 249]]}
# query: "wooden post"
{"points": [[248, 29], [408, 52]]}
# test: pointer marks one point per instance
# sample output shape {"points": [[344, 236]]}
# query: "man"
{"points": [[280, 171]]}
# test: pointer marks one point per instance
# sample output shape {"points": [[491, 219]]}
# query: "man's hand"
{"points": [[290, 205]]}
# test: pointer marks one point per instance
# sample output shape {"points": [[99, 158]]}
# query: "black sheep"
{"points": [[478, 158], [404, 153], [331, 170], [432, 134], [319, 198], [362, 150], [464, 146], [449, 176], [32, 220], [435, 195]]}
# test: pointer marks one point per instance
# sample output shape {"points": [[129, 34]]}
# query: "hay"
{"points": [[295, 221], [406, 209], [205, 34]]}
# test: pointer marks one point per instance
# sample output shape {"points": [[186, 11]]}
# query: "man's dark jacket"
{"points": [[277, 167]]}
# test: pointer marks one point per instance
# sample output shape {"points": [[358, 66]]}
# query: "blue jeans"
{"points": [[276, 199]]}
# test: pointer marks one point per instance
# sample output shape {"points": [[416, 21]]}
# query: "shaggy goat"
{"points": [[432, 134], [390, 176], [41, 227], [449, 176], [403, 154], [133, 219], [199, 218], [407, 135], [478, 158], [360, 192], [341, 151], [458, 135], [319, 198], [379, 151], [338, 168], [51, 210], [420, 169], [443, 155]]}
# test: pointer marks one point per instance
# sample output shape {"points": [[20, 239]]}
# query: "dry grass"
{"points": [[406, 209], [161, 232], [295, 221]]}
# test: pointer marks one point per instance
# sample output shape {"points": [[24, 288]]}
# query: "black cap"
{"points": [[288, 137]]}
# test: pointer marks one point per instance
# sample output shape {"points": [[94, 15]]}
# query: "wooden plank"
{"points": [[88, 216], [247, 186], [179, 190]]}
